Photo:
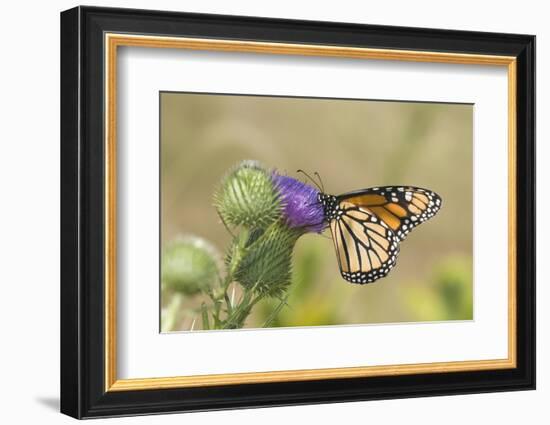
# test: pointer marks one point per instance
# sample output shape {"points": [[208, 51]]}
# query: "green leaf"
{"points": [[275, 312]]}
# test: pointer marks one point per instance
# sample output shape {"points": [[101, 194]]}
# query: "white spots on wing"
{"points": [[408, 196]]}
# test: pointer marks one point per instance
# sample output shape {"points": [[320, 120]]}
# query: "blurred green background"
{"points": [[352, 144]]}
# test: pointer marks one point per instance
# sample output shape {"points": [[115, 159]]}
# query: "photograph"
{"points": [[280, 212]]}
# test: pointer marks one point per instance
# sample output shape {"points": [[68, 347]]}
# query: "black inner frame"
{"points": [[82, 207]]}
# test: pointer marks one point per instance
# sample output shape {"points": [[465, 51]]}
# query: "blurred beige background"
{"points": [[352, 144]]}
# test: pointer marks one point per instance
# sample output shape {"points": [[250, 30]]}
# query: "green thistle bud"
{"points": [[247, 197], [265, 262], [189, 265]]}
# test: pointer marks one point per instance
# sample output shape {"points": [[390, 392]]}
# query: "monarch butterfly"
{"points": [[368, 225]]}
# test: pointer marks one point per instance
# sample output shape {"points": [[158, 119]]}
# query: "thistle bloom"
{"points": [[271, 211], [300, 203]]}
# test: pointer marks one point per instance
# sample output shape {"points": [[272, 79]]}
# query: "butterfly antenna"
{"points": [[309, 177], [320, 180]]}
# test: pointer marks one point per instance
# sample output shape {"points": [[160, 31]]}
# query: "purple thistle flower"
{"points": [[301, 206]]}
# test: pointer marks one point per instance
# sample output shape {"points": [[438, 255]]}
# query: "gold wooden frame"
{"points": [[113, 41]]}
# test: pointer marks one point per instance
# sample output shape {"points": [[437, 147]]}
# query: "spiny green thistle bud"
{"points": [[248, 197], [265, 262], [189, 265]]}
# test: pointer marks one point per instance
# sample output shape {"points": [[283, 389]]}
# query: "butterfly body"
{"points": [[368, 225]]}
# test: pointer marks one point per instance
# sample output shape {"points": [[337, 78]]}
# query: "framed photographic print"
{"points": [[261, 212]]}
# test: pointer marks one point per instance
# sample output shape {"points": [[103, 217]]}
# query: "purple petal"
{"points": [[301, 205]]}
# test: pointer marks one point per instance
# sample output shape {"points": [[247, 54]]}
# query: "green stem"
{"points": [[172, 315], [242, 310], [204, 315]]}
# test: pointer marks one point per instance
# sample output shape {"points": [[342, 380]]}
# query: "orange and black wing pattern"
{"points": [[366, 247], [402, 208]]}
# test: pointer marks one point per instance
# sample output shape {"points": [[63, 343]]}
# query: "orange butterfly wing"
{"points": [[366, 248], [402, 208]]}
